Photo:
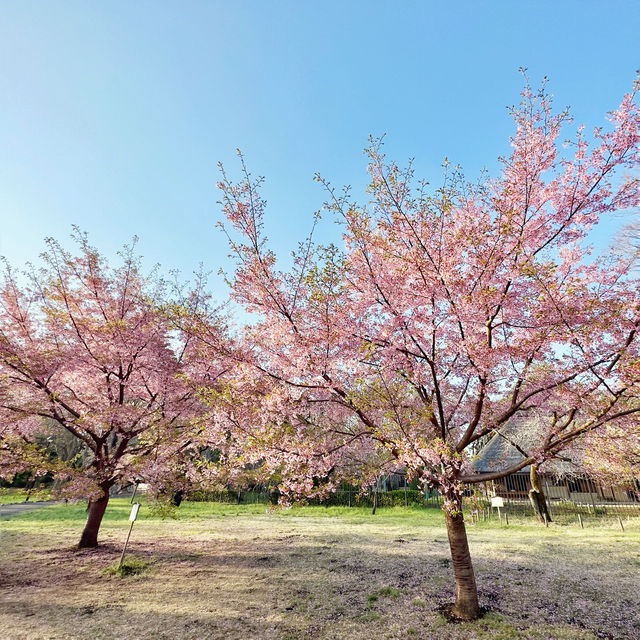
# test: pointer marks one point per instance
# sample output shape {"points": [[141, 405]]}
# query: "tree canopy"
{"points": [[446, 314]]}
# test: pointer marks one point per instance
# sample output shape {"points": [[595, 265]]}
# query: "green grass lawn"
{"points": [[13, 496], [238, 571]]}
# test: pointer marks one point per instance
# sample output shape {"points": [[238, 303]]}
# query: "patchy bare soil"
{"points": [[241, 575]]}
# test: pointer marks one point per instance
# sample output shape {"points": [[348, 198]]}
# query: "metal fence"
{"points": [[347, 497], [569, 508], [480, 501]]}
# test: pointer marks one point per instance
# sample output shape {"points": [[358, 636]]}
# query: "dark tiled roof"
{"points": [[498, 454]]}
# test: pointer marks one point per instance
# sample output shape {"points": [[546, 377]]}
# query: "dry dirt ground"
{"points": [[234, 574]]}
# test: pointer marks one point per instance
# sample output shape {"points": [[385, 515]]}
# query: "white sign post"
{"points": [[498, 502], [134, 511], [132, 518]]}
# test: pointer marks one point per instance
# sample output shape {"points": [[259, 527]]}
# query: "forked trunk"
{"points": [[96, 510], [537, 497], [466, 605]]}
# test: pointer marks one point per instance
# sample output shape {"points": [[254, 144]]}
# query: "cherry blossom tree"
{"points": [[446, 314], [84, 345], [612, 455]]}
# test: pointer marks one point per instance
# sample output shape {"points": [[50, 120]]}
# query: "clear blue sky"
{"points": [[113, 115]]}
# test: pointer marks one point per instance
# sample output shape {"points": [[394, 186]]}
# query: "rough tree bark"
{"points": [[466, 605], [96, 510], [375, 499], [537, 497]]}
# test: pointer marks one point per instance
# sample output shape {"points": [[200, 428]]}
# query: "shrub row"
{"points": [[340, 498]]}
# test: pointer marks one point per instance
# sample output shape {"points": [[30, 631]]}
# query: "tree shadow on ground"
{"points": [[301, 586]]}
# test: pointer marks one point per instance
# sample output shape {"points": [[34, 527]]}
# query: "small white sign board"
{"points": [[497, 502], [134, 511]]}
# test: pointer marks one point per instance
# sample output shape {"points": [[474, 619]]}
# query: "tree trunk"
{"points": [[96, 510], [375, 499], [537, 497], [466, 606]]}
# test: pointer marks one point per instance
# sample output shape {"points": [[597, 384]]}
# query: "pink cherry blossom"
{"points": [[446, 316]]}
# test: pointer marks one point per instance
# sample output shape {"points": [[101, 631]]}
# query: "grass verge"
{"points": [[316, 573]]}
